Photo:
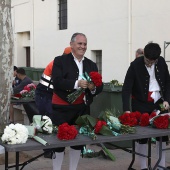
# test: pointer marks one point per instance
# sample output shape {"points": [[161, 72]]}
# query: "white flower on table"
{"points": [[15, 134], [114, 122], [47, 124]]}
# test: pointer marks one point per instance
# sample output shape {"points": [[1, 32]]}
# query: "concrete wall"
{"points": [[117, 27]]}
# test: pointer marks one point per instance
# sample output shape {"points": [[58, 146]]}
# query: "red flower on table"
{"points": [[128, 119], [153, 114], [27, 88], [144, 120], [99, 125], [18, 95], [96, 78], [161, 122], [66, 132], [136, 114]]}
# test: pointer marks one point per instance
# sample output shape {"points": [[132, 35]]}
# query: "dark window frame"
{"points": [[99, 60], [62, 14]]}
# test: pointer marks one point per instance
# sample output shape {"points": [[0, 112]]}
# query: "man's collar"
{"points": [[76, 58]]}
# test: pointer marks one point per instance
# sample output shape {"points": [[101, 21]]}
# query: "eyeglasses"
{"points": [[149, 62]]}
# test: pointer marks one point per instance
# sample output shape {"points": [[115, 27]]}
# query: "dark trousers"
{"points": [[68, 113], [43, 102]]}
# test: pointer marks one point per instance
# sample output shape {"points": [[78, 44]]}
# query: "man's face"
{"points": [[18, 75], [79, 46], [148, 62], [15, 73]]}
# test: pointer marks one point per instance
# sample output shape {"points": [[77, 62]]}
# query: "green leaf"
{"points": [[111, 156], [80, 121], [86, 120], [102, 116], [105, 131], [91, 120]]}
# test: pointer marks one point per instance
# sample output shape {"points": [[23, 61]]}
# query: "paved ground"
{"points": [[121, 163]]}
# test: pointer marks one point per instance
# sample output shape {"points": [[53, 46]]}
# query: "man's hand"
{"points": [[127, 112], [91, 86], [166, 105], [83, 84]]}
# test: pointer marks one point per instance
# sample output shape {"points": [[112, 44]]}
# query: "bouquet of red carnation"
{"points": [[66, 132], [160, 121], [99, 126], [131, 119], [136, 118], [144, 120], [94, 77], [28, 91]]}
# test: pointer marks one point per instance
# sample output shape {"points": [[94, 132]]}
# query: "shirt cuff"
{"points": [[76, 85]]}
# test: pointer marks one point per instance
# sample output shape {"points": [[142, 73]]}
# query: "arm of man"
{"points": [[62, 73], [167, 86], [127, 88], [21, 86]]}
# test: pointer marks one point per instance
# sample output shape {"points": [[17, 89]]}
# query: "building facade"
{"points": [[115, 29]]}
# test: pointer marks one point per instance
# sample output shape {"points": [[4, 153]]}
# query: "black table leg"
{"points": [[17, 160], [133, 155], [160, 153], [6, 160], [149, 154]]}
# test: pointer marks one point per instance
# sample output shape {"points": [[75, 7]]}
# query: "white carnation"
{"points": [[47, 124], [15, 134], [45, 117], [114, 120]]}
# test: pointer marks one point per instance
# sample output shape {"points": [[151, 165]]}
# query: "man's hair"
{"points": [[139, 51], [15, 68], [152, 51], [21, 71], [73, 38]]}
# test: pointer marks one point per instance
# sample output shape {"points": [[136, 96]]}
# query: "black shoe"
{"points": [[168, 167], [145, 169]]}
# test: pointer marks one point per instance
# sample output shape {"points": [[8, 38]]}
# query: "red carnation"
{"points": [[133, 122], [153, 114], [128, 119], [144, 120], [99, 125], [96, 78], [161, 122], [18, 95], [66, 132], [27, 88], [137, 114], [124, 118]]}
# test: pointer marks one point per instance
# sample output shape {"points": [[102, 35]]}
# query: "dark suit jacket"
{"points": [[65, 73], [136, 83]]}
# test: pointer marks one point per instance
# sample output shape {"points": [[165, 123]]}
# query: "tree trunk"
{"points": [[6, 60]]}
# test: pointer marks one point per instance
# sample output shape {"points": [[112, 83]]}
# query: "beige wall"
{"points": [[117, 27]]}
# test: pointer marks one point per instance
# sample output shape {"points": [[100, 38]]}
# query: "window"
{"points": [[28, 56], [99, 60], [62, 14]]}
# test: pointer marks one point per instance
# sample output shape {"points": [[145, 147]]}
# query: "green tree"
{"points": [[6, 60]]}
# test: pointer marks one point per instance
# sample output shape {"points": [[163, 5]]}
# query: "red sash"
{"points": [[57, 100]]}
